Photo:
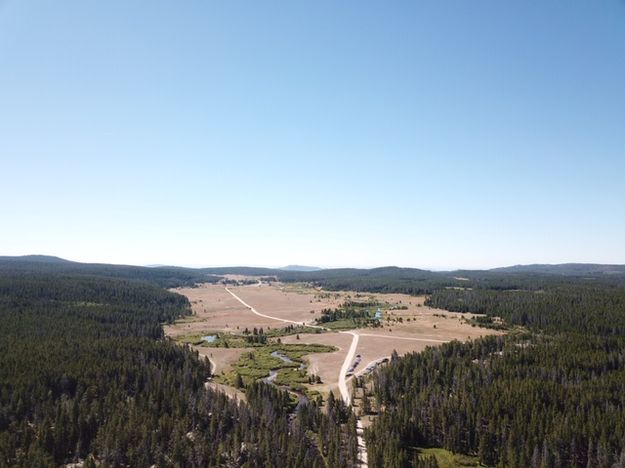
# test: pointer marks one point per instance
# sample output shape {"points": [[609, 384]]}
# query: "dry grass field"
{"points": [[408, 325], [214, 309], [298, 305], [325, 365]]}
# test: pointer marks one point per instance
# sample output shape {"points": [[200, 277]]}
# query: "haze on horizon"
{"points": [[435, 135]]}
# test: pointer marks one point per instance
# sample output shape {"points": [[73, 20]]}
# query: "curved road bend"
{"points": [[348, 358], [258, 313]]}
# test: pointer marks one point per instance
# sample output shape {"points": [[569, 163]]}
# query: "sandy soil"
{"points": [[325, 365]]}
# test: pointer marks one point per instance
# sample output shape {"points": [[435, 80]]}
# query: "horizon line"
{"points": [[319, 267]]}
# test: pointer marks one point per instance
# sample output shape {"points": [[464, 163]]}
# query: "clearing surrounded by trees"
{"points": [[290, 314]]}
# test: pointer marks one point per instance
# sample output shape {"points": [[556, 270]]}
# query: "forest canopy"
{"points": [[86, 374]]}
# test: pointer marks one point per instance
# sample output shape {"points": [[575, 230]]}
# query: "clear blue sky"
{"points": [[430, 134]]}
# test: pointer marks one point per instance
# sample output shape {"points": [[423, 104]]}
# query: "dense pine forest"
{"points": [[550, 394], [86, 374]]}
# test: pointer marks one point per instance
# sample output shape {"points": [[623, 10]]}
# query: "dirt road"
{"points": [[362, 448]]}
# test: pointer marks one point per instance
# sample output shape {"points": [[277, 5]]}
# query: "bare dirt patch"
{"points": [[432, 324], [325, 365], [214, 309], [372, 348], [297, 305], [222, 358], [418, 325]]}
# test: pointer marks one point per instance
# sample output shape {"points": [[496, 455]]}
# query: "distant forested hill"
{"points": [[36, 259], [383, 279], [566, 269], [167, 277], [415, 281], [241, 270], [299, 268]]}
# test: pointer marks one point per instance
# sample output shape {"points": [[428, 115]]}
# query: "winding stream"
{"points": [[285, 358]]}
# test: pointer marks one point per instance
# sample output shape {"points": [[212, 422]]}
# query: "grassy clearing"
{"points": [[226, 340], [296, 351], [447, 459], [258, 364], [361, 313], [192, 339], [255, 365], [188, 319], [223, 340], [293, 330], [299, 288], [247, 339], [345, 324], [292, 377], [484, 321]]}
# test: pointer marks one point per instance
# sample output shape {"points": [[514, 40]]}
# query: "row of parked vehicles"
{"points": [[350, 371], [370, 368]]}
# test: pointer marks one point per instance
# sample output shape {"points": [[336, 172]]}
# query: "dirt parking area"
{"points": [[373, 348]]}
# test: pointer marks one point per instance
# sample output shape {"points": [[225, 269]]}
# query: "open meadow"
{"points": [[236, 313]]}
